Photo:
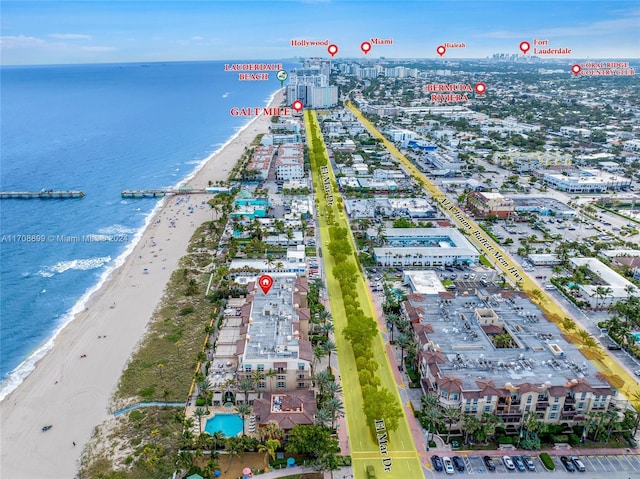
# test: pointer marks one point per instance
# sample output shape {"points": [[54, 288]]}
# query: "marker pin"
{"points": [[576, 69], [297, 106], [282, 75], [332, 49], [265, 281], [481, 88], [441, 50], [525, 47], [365, 47]]}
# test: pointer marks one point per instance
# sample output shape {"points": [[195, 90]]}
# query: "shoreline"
{"points": [[21, 372], [72, 384]]}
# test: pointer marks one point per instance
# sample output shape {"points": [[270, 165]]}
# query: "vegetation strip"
{"points": [[363, 348]]}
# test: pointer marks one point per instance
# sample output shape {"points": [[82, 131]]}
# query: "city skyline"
{"points": [[111, 32]]}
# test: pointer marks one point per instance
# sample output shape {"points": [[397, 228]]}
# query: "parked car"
{"points": [[371, 472], [489, 463], [437, 463], [458, 463], [508, 463], [578, 463], [448, 465], [568, 465], [529, 463], [519, 463]]}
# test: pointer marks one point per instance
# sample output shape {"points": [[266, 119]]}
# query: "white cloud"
{"points": [[197, 39], [598, 28], [70, 36], [20, 41], [97, 48]]}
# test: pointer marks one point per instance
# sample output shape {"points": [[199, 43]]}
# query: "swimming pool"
{"points": [[637, 336], [229, 424]]}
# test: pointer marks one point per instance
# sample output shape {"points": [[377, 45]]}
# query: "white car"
{"points": [[448, 465], [508, 463]]}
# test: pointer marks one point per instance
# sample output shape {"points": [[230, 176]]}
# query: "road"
{"points": [[615, 373], [364, 452]]}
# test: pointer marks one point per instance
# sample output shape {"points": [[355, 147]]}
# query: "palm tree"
{"points": [[211, 466], [322, 378], [216, 440], [329, 346], [392, 319], [244, 410], [245, 385], [568, 324], [326, 329], [323, 417], [234, 448], [257, 377], [318, 353], [404, 341], [271, 431], [198, 413], [204, 386], [335, 407], [451, 415], [269, 449], [332, 388], [184, 460]]}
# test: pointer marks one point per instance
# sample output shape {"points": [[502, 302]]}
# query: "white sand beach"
{"points": [[72, 392]]}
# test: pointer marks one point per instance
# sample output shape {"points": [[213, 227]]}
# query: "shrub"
{"points": [[506, 439], [547, 462], [574, 439], [432, 443], [187, 310], [560, 438], [200, 402]]}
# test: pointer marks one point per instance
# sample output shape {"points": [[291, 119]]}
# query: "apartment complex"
{"points": [[266, 334], [490, 204], [424, 247], [290, 162], [498, 354]]}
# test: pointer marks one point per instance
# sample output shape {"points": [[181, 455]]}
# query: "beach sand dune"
{"points": [[73, 384]]}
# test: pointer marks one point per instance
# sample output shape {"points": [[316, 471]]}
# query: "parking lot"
{"points": [[597, 463]]}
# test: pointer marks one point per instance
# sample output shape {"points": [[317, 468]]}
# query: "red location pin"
{"points": [[365, 47], [441, 50], [576, 69], [481, 88], [297, 105], [333, 49], [525, 47], [265, 281]]}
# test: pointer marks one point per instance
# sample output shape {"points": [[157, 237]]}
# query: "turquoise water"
{"points": [[637, 336], [229, 424]]}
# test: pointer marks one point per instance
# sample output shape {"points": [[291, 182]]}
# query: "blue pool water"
{"points": [[229, 424], [637, 336]]}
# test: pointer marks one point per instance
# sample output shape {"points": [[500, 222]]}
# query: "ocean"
{"points": [[100, 129]]}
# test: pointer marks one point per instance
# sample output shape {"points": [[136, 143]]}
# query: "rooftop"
{"points": [[450, 328], [270, 334]]}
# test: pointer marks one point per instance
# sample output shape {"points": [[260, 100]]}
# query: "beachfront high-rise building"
{"points": [[311, 86]]}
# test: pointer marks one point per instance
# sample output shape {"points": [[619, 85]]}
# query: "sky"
{"points": [[61, 32]]}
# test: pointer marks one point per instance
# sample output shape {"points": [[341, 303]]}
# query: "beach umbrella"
{"points": [[246, 470], [217, 473], [291, 462]]}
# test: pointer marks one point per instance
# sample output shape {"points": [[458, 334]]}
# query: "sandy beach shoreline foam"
{"points": [[72, 392], [22, 371]]}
